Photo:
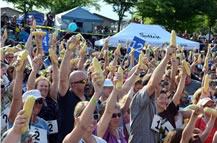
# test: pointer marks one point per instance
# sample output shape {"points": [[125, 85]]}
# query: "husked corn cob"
{"points": [[74, 61], [199, 59], [97, 69], [38, 33], [193, 107], [118, 49], [141, 57], [120, 83], [52, 55], [28, 106], [210, 111], [173, 38], [206, 62], [34, 24], [5, 35], [132, 51], [186, 66], [206, 83], [84, 48], [22, 57]]}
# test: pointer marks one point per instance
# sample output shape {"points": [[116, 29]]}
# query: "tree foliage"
{"points": [[121, 7], [59, 6], [178, 15]]}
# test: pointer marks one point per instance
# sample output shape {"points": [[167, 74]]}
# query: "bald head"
{"points": [[77, 76]]}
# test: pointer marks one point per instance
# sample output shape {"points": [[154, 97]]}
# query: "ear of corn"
{"points": [[28, 106], [210, 111], [120, 83], [97, 69], [206, 62], [1, 53], [193, 107], [118, 49], [52, 55], [74, 61], [84, 48], [173, 38], [141, 57], [38, 33], [206, 83], [199, 59], [78, 37], [54, 36], [22, 57], [183, 48], [5, 35], [178, 47], [187, 68], [34, 24], [132, 51]]}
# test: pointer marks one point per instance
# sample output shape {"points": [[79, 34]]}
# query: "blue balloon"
{"points": [[72, 27]]}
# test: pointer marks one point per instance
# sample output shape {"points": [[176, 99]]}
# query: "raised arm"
{"points": [[188, 131], [17, 103], [36, 63], [159, 72], [86, 116], [181, 86], [208, 129], [63, 84], [54, 85], [174, 62], [103, 123]]}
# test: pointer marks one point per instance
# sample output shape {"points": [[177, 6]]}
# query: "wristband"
{"points": [[93, 100], [136, 73]]}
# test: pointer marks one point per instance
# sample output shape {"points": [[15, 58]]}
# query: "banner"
{"points": [[45, 41], [138, 45]]}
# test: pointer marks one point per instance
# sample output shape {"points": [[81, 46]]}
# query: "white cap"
{"points": [[204, 101], [108, 83], [35, 93]]}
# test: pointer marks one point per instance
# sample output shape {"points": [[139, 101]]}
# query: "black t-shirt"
{"points": [[170, 114], [66, 108]]}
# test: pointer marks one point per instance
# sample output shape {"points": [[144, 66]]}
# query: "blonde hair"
{"points": [[42, 78], [79, 108]]}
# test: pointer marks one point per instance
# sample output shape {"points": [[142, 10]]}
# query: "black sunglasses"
{"points": [[96, 116], [39, 101], [115, 115], [83, 81], [2, 86]]}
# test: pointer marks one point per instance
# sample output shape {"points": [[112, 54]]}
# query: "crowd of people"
{"points": [[76, 104]]}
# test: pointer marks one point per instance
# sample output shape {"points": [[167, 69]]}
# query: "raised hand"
{"points": [[97, 83]]}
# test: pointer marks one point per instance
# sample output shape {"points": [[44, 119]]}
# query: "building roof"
{"points": [[4, 8], [106, 18]]}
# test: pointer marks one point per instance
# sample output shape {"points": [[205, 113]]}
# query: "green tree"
{"points": [[173, 14], [121, 7], [27, 5], [59, 6]]}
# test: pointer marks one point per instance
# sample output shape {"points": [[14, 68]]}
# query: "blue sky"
{"points": [[105, 10]]}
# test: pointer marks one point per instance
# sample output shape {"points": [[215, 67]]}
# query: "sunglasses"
{"points": [[96, 116], [81, 81], [39, 101], [2, 86], [115, 115]]}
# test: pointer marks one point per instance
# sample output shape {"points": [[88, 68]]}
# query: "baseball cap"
{"points": [[204, 101], [36, 93], [108, 83]]}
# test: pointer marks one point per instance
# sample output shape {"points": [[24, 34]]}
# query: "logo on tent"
{"points": [[150, 35]]}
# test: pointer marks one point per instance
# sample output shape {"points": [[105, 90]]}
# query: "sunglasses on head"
{"points": [[2, 86], [96, 116], [115, 115], [83, 81], [39, 101]]}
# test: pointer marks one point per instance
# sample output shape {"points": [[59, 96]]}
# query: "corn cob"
{"points": [[96, 53], [38, 33], [141, 57], [84, 48], [78, 37], [183, 48], [210, 111], [199, 59], [22, 57], [34, 24], [97, 69], [28, 106], [206, 83], [132, 51], [186, 66], [118, 49], [178, 47], [120, 83], [193, 107], [54, 36], [52, 55], [1, 53], [206, 62], [5, 35], [173, 38]]}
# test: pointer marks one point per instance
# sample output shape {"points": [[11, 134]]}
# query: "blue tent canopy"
{"points": [[38, 17], [80, 14]]}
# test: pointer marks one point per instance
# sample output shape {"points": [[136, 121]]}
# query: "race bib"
{"points": [[156, 123], [4, 118], [53, 127], [167, 127], [40, 135]]}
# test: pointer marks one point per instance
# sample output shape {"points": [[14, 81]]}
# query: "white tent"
{"points": [[154, 34]]}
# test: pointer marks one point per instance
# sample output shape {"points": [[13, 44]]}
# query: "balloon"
{"points": [[72, 27]]}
